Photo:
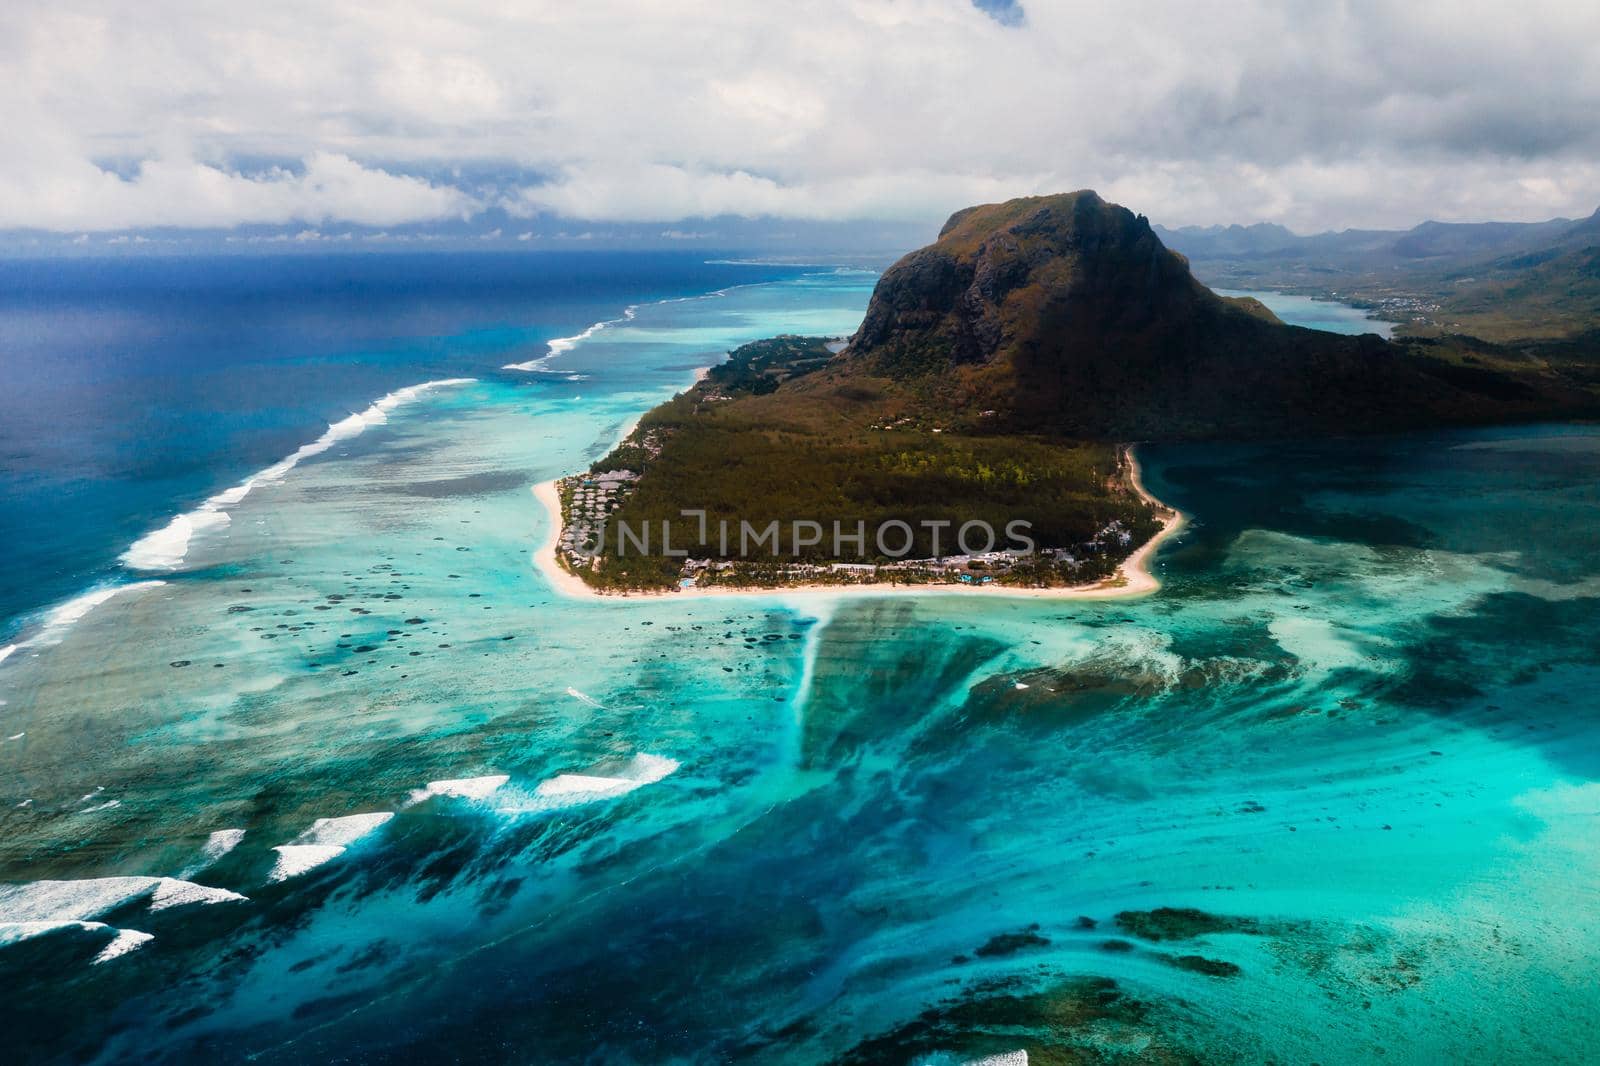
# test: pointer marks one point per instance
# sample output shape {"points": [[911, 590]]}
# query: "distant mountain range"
{"points": [[1500, 281], [1430, 240]]}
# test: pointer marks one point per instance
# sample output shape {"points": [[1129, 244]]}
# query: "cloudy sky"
{"points": [[216, 113]]}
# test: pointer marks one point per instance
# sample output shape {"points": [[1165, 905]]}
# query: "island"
{"points": [[979, 430]]}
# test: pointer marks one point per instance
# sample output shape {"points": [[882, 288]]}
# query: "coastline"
{"points": [[1132, 578]]}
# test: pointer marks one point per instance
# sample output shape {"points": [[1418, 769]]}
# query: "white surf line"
{"points": [[575, 790], [165, 548], [35, 908], [466, 788], [125, 941], [325, 841], [1005, 1058], [562, 345], [388, 993], [52, 630], [218, 844]]}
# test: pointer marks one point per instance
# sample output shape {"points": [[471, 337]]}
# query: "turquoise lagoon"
{"points": [[375, 793], [1315, 313]]}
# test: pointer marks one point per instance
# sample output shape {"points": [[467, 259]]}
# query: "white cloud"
{"points": [[656, 191], [1312, 115], [78, 195]]}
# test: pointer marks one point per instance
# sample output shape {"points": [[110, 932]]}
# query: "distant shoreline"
{"points": [[1132, 577]]}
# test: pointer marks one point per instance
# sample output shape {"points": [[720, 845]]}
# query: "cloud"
{"points": [[657, 191], [1313, 115], [78, 195]]}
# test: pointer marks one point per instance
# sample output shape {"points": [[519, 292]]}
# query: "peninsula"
{"points": [[988, 399]]}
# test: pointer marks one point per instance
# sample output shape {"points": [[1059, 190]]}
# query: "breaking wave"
{"points": [[468, 788], [64, 616], [35, 908], [217, 845], [166, 548], [574, 790], [325, 841], [563, 345]]}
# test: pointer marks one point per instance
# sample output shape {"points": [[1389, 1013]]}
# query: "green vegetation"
{"points": [[1500, 282], [746, 453], [739, 472], [989, 381], [1252, 306], [1530, 297], [759, 368]]}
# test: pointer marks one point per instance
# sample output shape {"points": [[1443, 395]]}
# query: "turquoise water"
{"points": [[138, 387], [1313, 313], [1355, 732]]}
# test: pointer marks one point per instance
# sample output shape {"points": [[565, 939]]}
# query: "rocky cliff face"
{"points": [[1066, 314], [995, 270]]}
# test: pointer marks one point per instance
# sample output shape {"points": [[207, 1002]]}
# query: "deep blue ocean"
{"points": [[135, 387]]}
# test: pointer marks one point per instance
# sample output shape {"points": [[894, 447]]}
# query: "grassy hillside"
{"points": [[1540, 296]]}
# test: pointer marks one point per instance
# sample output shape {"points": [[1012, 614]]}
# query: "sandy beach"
{"points": [[561, 579], [1132, 579]]}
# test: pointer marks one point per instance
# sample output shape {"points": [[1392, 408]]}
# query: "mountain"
{"points": [[1365, 249], [1263, 238], [1512, 283], [1067, 315], [1546, 290], [1438, 240], [993, 377], [1585, 231], [1531, 299]]}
